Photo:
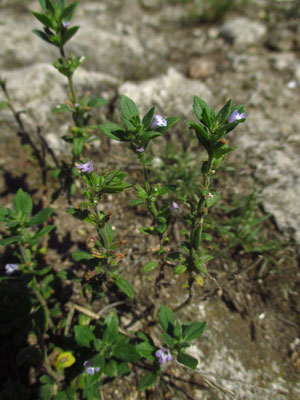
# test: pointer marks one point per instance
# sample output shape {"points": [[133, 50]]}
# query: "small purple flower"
{"points": [[163, 355], [87, 167], [66, 25], [140, 149], [89, 369], [235, 116], [11, 268], [174, 206], [158, 122]]}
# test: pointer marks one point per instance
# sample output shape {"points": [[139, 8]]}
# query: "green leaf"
{"points": [[43, 4], [97, 101], [150, 266], [177, 329], [128, 107], [196, 239], [78, 144], [193, 330], [180, 269], [125, 286], [170, 122], [111, 368], [168, 339], [166, 318], [23, 202], [145, 349], [61, 5], [60, 108], [10, 240], [111, 333], [41, 216], [147, 380], [50, 7], [82, 255], [126, 352], [109, 232], [69, 12], [83, 335], [136, 202], [224, 113], [123, 369], [206, 118], [210, 201], [3, 104], [187, 360], [69, 33], [198, 107], [44, 231], [43, 19], [61, 396], [207, 236], [45, 392], [42, 35], [114, 131], [222, 151], [148, 117]]}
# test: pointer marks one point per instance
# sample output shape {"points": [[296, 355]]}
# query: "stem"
{"points": [[70, 81], [197, 223], [71, 87], [41, 299], [150, 203]]}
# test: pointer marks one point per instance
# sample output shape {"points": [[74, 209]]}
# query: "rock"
{"points": [[38, 89], [243, 32], [201, 69], [172, 93], [57, 144], [280, 40], [283, 61]]}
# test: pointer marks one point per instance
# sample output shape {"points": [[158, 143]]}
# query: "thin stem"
{"points": [[41, 299], [197, 223], [71, 86], [150, 203]]}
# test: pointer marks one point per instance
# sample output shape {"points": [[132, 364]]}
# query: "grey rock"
{"points": [[283, 61], [39, 88], [280, 39], [243, 32], [172, 93]]}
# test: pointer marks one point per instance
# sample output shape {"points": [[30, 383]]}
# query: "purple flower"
{"points": [[66, 25], [140, 149], [158, 122], [11, 268], [163, 355], [87, 167], [174, 206], [89, 369], [235, 116]]}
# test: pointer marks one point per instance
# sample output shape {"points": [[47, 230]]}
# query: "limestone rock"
{"points": [[172, 93], [243, 32]]}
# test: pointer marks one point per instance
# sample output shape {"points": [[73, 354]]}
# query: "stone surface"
{"points": [[243, 32], [39, 88], [201, 69], [172, 93]]}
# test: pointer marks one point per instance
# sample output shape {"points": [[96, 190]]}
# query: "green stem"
{"points": [[41, 299], [150, 203], [71, 87], [197, 223]]}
